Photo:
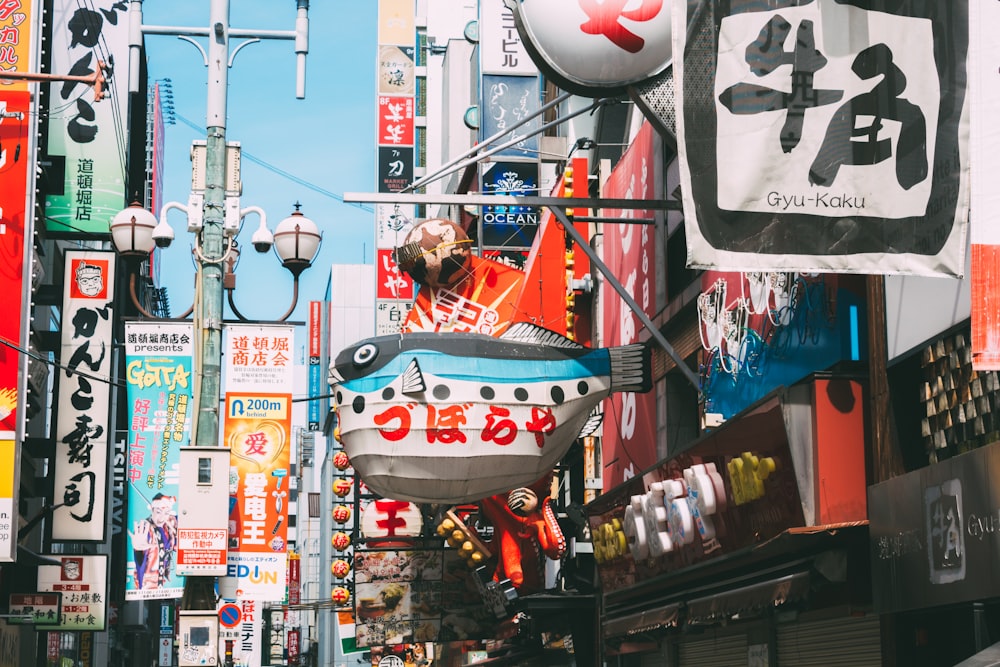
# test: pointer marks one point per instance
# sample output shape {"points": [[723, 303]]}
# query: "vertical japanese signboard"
{"points": [[510, 98], [984, 66], [83, 583], [85, 137], [81, 433], [158, 366], [17, 130], [629, 253], [258, 382], [316, 373], [824, 135], [396, 107]]}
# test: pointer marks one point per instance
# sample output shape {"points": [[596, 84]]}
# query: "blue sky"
{"points": [[326, 141]]}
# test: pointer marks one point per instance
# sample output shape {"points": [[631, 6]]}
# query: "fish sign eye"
{"points": [[365, 354]]}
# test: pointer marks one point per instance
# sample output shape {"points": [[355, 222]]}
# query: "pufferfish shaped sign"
{"points": [[452, 418], [594, 48]]}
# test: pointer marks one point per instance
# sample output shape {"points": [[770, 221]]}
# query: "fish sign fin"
{"points": [[526, 332], [594, 421], [631, 368], [413, 379]]}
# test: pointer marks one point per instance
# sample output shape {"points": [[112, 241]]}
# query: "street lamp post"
{"points": [[135, 233]]}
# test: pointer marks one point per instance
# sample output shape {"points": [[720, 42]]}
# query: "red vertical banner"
{"points": [[294, 578], [14, 138], [629, 441], [984, 88]]}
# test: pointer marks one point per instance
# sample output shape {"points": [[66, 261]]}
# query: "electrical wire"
{"points": [[49, 362], [281, 172]]}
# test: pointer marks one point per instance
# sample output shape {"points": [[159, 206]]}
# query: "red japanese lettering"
{"points": [[444, 425], [604, 17], [255, 443], [396, 412], [499, 427], [542, 422]]}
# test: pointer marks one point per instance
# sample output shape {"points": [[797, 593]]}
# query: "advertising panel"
{"points": [[596, 49], [500, 48], [396, 74], [393, 222], [934, 535], [984, 88], [629, 442], [406, 596], [824, 136], [396, 22], [81, 433], [8, 517], [395, 121], [14, 137], [15, 133], [258, 404], [15, 55], [734, 489], [395, 168], [393, 284], [84, 134], [83, 583], [506, 101], [158, 363], [509, 227], [317, 407]]}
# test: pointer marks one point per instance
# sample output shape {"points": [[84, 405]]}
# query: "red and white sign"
{"points": [[393, 284], [395, 120], [984, 76], [200, 549], [629, 253], [588, 46], [292, 644]]}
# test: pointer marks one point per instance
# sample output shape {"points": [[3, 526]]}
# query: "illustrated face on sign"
{"points": [[89, 279], [160, 509]]}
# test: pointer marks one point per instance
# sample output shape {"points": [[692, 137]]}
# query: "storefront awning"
{"points": [[752, 598], [643, 621]]}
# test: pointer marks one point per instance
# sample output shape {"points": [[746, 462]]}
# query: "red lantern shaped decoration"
{"points": [[341, 513], [341, 461], [340, 541], [341, 486], [340, 568], [340, 595]]}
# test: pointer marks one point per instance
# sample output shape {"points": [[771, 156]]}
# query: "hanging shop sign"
{"points": [[158, 363], [593, 48], [824, 136], [81, 433], [485, 414], [83, 583]]}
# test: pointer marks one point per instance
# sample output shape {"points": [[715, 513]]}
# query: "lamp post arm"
{"points": [[288, 313]]}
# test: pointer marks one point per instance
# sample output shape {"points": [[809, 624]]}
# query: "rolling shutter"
{"points": [[854, 641], [719, 651]]}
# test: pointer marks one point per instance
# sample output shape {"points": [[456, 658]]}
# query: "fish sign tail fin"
{"points": [[631, 368]]}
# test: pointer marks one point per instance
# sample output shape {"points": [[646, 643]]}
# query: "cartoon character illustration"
{"points": [[154, 543], [89, 279], [485, 414], [524, 528]]}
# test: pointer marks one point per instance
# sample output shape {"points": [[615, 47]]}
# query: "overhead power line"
{"points": [[281, 172]]}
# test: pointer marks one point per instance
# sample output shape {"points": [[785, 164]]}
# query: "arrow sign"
{"points": [[230, 615]]}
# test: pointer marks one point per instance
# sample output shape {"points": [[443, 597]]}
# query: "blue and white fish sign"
{"points": [[456, 417]]}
